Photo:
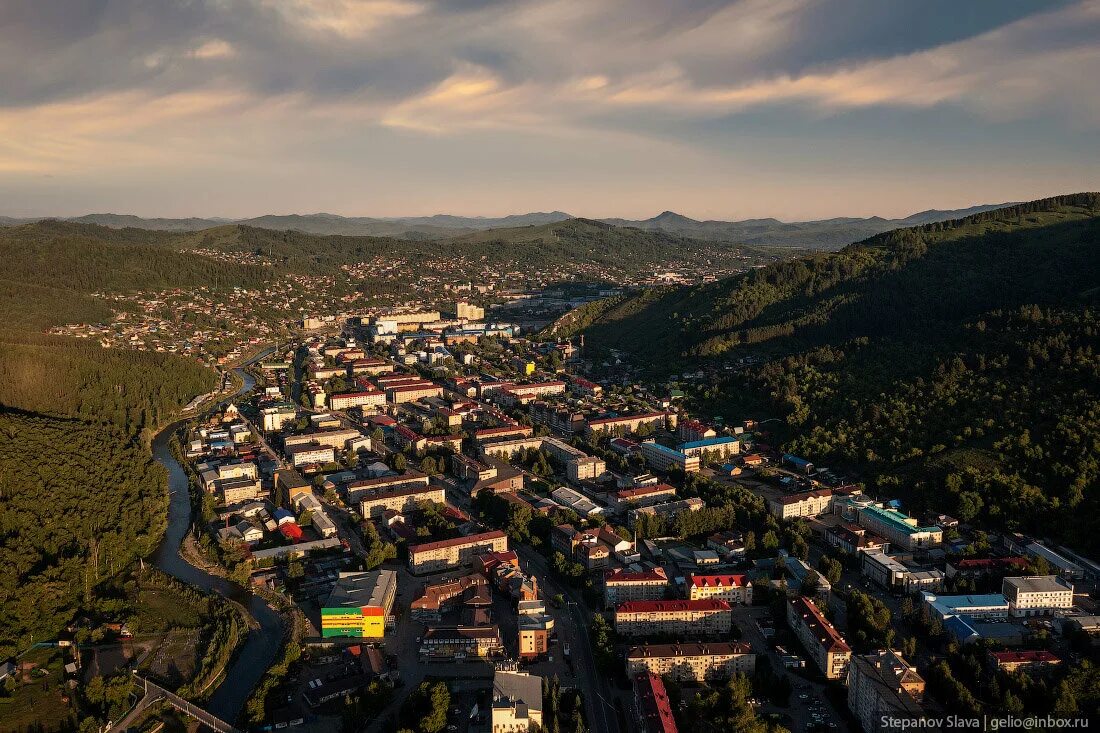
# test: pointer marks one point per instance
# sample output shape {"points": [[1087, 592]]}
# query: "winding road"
{"points": [[263, 642]]}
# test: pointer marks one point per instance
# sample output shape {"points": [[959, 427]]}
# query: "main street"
{"points": [[602, 716]]}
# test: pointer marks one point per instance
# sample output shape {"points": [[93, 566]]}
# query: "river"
{"points": [[262, 644]]}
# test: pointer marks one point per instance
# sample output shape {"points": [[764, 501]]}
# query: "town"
{"points": [[462, 521]]}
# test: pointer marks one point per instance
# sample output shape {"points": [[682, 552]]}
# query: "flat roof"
{"points": [[356, 590], [458, 541], [1039, 584], [897, 520]]}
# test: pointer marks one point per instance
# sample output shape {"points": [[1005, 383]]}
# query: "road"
{"points": [[594, 685]]}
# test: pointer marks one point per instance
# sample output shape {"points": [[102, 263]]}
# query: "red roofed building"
{"points": [[975, 567], [1029, 660], [823, 642], [432, 556], [651, 701], [730, 588], [620, 586], [685, 618], [291, 531]]}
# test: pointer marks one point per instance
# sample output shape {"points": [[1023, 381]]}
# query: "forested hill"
{"points": [[920, 280], [954, 365], [80, 496]]}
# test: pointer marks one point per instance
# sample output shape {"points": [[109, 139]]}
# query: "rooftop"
{"points": [[708, 604], [356, 590]]}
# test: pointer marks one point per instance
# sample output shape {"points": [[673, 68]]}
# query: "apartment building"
{"points": [[729, 588], [882, 686], [401, 499], [274, 417], [372, 488], [803, 504], [631, 423], [652, 706], [505, 449], [821, 640], [664, 458], [468, 311], [413, 392], [362, 398], [902, 532], [636, 496], [669, 509], [691, 662], [307, 453], [534, 632], [620, 586], [434, 556], [232, 491], [888, 572], [1037, 595], [688, 618], [338, 439], [504, 432]]}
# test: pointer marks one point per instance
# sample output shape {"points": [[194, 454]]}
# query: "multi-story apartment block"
{"points": [[468, 311], [664, 458], [717, 448], [636, 496], [821, 640], [884, 687], [362, 398], [338, 439], [274, 417], [400, 498], [434, 556], [689, 618], [631, 423], [803, 504], [306, 453], [1035, 595], [903, 532], [413, 392], [692, 662], [730, 588], [620, 586], [652, 706], [236, 490]]}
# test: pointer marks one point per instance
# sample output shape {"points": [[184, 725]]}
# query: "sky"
{"points": [[797, 109]]}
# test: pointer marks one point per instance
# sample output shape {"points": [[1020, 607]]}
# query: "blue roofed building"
{"points": [[903, 531]]}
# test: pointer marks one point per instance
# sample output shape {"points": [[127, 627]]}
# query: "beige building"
{"points": [[729, 588], [237, 490], [468, 311], [335, 438], [400, 499], [883, 685], [304, 454], [691, 618], [357, 490], [805, 504], [692, 662], [366, 398], [620, 586], [517, 702], [821, 640], [434, 556], [1035, 595], [413, 392]]}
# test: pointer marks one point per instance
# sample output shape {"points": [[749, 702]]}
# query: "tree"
{"points": [[831, 569], [399, 462]]}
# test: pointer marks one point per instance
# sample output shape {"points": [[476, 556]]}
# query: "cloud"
{"points": [[215, 48]]}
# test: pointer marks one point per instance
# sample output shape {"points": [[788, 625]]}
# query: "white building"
{"points": [[1037, 594]]}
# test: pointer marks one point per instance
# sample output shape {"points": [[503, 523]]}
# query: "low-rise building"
{"points": [[360, 605], [985, 607], [891, 574], [687, 618], [820, 638], [692, 662], [1036, 595], [434, 556], [1035, 660], [884, 687], [458, 643]]}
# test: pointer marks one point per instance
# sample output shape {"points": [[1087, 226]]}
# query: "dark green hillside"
{"points": [[953, 364], [919, 280]]}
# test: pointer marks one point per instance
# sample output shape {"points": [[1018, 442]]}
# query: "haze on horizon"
{"points": [[796, 109]]}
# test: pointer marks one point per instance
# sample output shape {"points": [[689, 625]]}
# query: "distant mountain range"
{"points": [[827, 234]]}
